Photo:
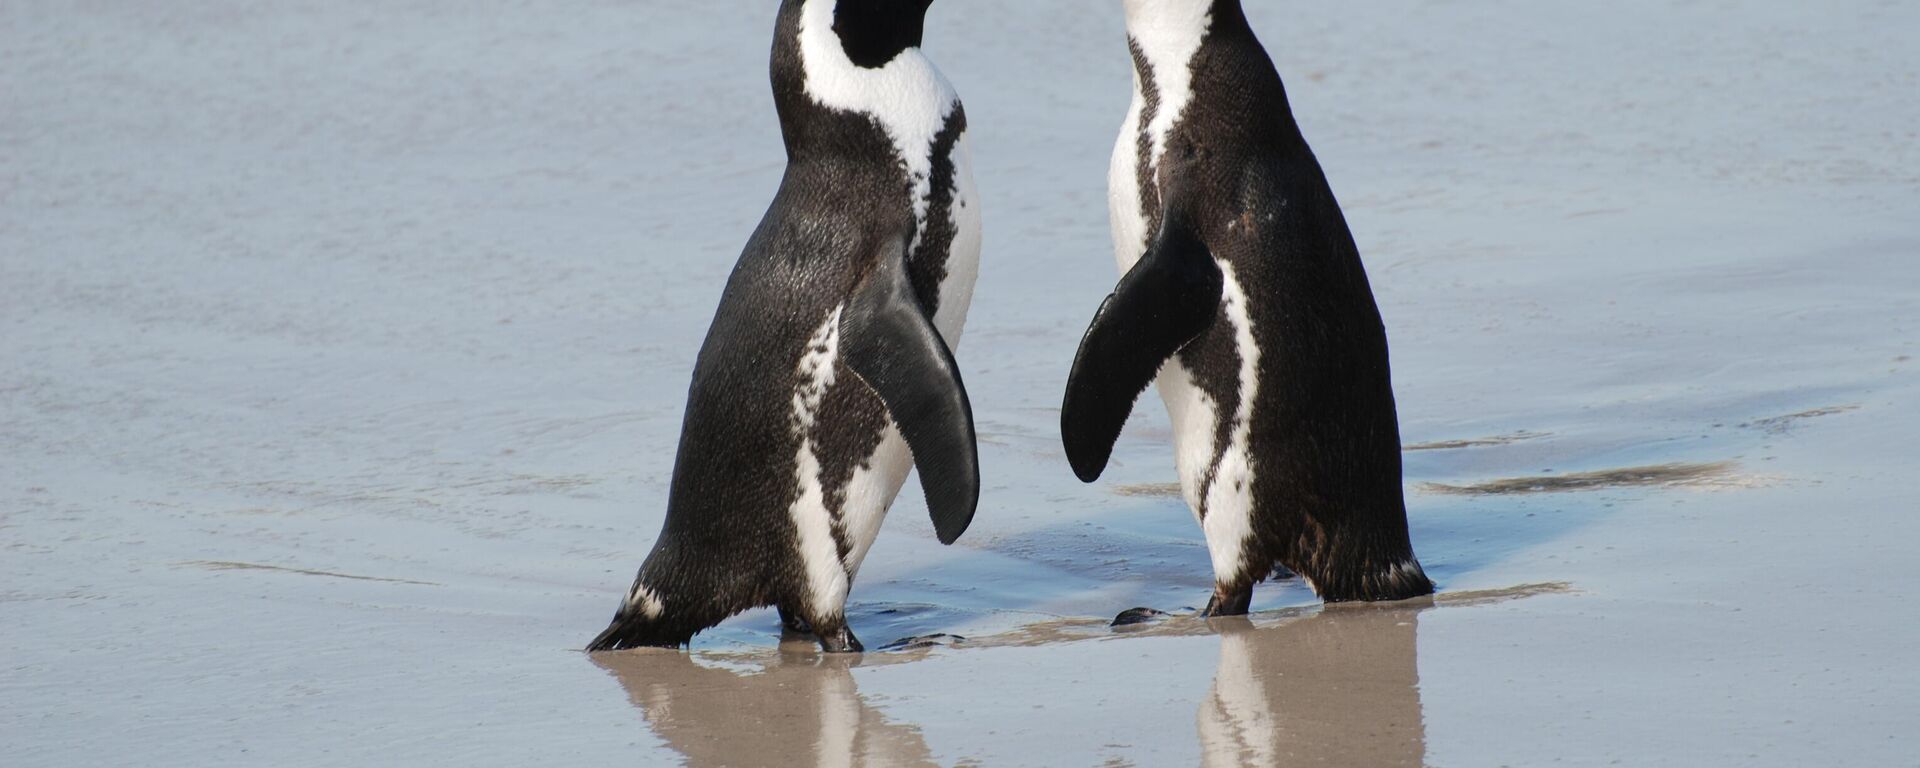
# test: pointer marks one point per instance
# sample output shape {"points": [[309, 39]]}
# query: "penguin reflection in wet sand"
{"points": [[827, 372], [1244, 298]]}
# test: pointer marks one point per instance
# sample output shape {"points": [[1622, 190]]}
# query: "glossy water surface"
{"points": [[343, 348]]}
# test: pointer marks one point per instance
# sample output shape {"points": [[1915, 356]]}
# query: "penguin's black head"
{"points": [[872, 32]]}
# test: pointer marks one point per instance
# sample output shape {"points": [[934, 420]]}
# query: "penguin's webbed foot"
{"points": [[839, 639]]}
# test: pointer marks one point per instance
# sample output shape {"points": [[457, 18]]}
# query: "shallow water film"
{"points": [[343, 348]]}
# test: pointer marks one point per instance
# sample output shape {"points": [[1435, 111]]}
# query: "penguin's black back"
{"points": [[1325, 425]]}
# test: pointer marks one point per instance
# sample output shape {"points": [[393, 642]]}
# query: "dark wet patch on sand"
{"points": [[1477, 442], [1170, 490], [230, 565], [1780, 424], [1719, 473], [1491, 596]]}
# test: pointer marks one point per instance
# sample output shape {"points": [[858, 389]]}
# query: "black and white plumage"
{"points": [[1244, 298], [827, 372]]}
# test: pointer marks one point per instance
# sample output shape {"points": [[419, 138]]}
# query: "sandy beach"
{"points": [[343, 349]]}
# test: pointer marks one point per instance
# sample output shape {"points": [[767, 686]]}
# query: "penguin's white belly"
{"points": [[871, 492], [1228, 499], [1194, 417], [1217, 478]]}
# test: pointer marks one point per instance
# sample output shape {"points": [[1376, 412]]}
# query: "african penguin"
{"points": [[827, 372], [1241, 277]]}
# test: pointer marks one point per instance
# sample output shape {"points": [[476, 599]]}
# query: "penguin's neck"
{"points": [[906, 96], [1165, 36], [1170, 31]]}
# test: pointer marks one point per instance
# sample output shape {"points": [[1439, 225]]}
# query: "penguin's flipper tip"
{"points": [[1169, 297], [890, 344]]}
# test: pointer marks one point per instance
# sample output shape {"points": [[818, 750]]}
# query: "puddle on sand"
{"points": [[1290, 688], [1152, 490], [1679, 474]]}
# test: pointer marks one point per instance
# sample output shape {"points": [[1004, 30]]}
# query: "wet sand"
{"points": [[1323, 686], [343, 349]]}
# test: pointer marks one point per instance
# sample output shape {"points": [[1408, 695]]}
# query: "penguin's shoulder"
{"points": [[1273, 196], [805, 228]]}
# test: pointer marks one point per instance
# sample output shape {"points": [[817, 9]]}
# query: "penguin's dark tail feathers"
{"points": [[633, 629], [643, 621], [1399, 580]]}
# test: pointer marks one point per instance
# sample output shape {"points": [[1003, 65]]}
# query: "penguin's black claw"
{"points": [[840, 640], [1140, 615], [1232, 604]]}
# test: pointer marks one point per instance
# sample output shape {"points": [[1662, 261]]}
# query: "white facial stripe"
{"points": [[826, 577], [1169, 33], [909, 98], [1229, 521]]}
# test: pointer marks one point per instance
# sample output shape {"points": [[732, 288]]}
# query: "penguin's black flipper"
{"points": [[1170, 296], [888, 341]]}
